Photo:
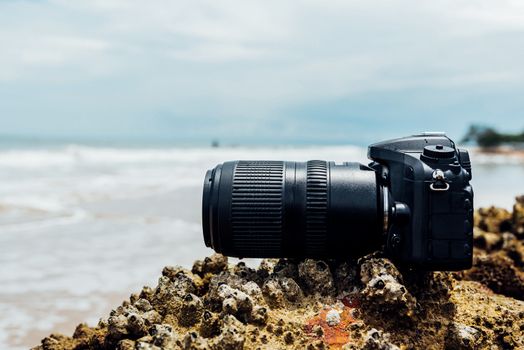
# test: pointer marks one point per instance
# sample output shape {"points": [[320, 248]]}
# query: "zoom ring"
{"points": [[316, 207], [256, 208]]}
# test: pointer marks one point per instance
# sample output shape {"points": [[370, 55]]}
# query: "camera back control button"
{"points": [[468, 228]]}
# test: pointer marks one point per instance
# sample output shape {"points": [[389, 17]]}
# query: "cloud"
{"points": [[250, 63]]}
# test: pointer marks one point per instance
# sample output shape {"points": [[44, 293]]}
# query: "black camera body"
{"points": [[429, 179], [414, 202]]}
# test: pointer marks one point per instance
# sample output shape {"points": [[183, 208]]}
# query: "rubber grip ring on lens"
{"points": [[316, 207], [256, 208]]}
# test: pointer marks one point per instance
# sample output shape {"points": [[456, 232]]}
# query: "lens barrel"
{"points": [[314, 209]]}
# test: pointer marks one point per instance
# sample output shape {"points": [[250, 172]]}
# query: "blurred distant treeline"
{"points": [[487, 137]]}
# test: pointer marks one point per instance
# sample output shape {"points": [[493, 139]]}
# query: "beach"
{"points": [[82, 226]]}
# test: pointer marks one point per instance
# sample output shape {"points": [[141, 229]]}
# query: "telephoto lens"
{"points": [[314, 209]]}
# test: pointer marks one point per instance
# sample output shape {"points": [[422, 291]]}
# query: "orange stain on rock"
{"points": [[335, 336]]}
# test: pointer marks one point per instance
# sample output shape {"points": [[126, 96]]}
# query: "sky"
{"points": [[268, 72]]}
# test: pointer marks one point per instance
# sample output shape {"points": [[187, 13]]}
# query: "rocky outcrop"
{"points": [[357, 304]]}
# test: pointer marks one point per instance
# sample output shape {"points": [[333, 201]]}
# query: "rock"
{"points": [[193, 341], [117, 328], [274, 293], [210, 325], [232, 336], [235, 302], [143, 305], [214, 264], [346, 277], [463, 337], [259, 315], [126, 344], [246, 273], [492, 219], [310, 304], [333, 317], [163, 336], [280, 291], [183, 281], [253, 290], [167, 297], [268, 265], [377, 340], [316, 276], [487, 241], [518, 217], [136, 325], [499, 273], [190, 311], [286, 268], [384, 290]]}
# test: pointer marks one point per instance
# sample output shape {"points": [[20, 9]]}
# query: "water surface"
{"points": [[82, 227]]}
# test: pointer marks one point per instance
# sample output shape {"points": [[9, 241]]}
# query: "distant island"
{"points": [[487, 138]]}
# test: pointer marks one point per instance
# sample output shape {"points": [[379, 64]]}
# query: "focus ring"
{"points": [[256, 208], [316, 207]]}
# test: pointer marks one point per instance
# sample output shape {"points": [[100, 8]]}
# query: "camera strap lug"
{"points": [[439, 184]]}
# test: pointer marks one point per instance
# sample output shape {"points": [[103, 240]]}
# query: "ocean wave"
{"points": [[27, 222], [72, 155]]}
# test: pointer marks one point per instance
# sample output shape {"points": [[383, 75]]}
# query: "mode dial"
{"points": [[437, 152]]}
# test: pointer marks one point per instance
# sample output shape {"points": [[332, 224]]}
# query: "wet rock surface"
{"points": [[367, 303]]}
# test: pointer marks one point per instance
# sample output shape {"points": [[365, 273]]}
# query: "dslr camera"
{"points": [[413, 201]]}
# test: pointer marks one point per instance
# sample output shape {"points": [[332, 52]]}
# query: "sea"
{"points": [[83, 226]]}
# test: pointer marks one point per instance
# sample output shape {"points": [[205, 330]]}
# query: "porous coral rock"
{"points": [[163, 336], [193, 341], [383, 287], [136, 325], [143, 305], [487, 241], [253, 290], [462, 336], [126, 344], [498, 263], [288, 304], [346, 277], [213, 264], [117, 327], [279, 291], [286, 268], [235, 302], [494, 219], [316, 276], [518, 217], [191, 310], [499, 273], [232, 335], [259, 315], [378, 340], [167, 297], [274, 293], [210, 325]]}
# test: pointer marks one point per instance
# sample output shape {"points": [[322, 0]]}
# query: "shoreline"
{"points": [[499, 151]]}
